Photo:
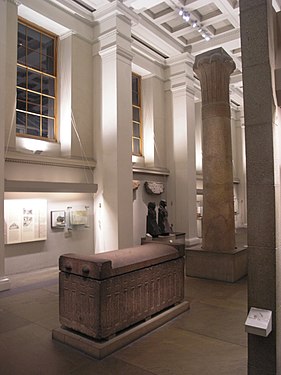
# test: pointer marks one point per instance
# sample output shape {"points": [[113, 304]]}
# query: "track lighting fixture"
{"points": [[194, 23]]}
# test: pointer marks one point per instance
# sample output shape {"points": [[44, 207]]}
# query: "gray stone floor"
{"points": [[209, 339]]}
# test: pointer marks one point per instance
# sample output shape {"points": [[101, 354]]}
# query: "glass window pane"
{"points": [[48, 65], [136, 149], [21, 55], [48, 106], [33, 39], [135, 98], [34, 81], [48, 130], [135, 83], [48, 86], [33, 125], [20, 119], [136, 114], [21, 77], [21, 94], [21, 34], [33, 98], [33, 108], [33, 59], [21, 105], [136, 130], [48, 46]]}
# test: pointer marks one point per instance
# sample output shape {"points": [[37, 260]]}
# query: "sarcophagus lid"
{"points": [[112, 263]]}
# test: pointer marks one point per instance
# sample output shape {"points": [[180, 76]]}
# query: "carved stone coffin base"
{"points": [[220, 266], [99, 350]]}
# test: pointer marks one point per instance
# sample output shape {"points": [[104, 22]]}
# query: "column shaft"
{"points": [[213, 69]]}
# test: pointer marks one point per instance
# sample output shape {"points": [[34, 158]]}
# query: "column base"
{"points": [[5, 284], [193, 241], [228, 266]]}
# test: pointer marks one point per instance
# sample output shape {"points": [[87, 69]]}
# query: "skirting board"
{"points": [[100, 350]]}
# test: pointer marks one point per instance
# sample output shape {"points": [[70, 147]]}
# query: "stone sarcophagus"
{"points": [[106, 293]]}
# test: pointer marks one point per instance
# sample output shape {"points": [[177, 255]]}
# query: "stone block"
{"points": [[228, 266], [248, 4], [258, 104], [254, 30], [261, 220], [260, 154], [262, 291], [261, 354]]}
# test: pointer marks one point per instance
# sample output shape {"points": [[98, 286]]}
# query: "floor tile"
{"points": [[110, 366], [222, 323], [172, 351]]}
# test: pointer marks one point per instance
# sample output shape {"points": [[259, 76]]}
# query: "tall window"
{"points": [[36, 82], [137, 128]]}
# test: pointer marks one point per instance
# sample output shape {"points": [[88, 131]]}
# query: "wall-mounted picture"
{"points": [[58, 219], [78, 217], [25, 220]]}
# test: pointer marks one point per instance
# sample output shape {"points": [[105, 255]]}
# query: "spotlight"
{"points": [[181, 12], [194, 24], [186, 16]]}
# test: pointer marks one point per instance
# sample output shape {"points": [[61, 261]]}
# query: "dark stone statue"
{"points": [[163, 222], [151, 224]]}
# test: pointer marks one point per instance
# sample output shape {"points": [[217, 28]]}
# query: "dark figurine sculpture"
{"points": [[163, 222], [151, 224]]}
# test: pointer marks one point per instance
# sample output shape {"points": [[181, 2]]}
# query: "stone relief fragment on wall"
{"points": [[153, 187]]}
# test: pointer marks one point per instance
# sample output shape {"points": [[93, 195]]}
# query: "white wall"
{"points": [[29, 256]]}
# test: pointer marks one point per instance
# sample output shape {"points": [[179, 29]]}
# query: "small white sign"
{"points": [[259, 322]]}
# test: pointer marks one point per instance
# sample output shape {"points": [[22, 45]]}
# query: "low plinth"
{"points": [[227, 266], [100, 349]]}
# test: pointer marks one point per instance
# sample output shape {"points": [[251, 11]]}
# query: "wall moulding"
{"points": [[49, 187], [156, 171], [16, 157]]}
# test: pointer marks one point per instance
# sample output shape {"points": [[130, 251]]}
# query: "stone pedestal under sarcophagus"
{"points": [[108, 293]]}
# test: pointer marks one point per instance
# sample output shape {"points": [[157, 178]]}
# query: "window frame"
{"points": [[41, 94], [139, 107]]}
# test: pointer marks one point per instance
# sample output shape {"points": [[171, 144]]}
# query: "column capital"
{"points": [[213, 69], [179, 74]]}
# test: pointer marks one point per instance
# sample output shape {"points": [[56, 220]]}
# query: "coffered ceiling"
{"points": [[158, 25]]}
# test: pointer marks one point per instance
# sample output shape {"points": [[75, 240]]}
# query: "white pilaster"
{"points": [[4, 281], [182, 143], [153, 104], [113, 139]]}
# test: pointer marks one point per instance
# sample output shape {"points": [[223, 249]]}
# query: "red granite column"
{"points": [[213, 69]]}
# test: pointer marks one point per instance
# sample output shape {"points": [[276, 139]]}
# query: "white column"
{"points": [[113, 138], [182, 143], [241, 170], [4, 281]]}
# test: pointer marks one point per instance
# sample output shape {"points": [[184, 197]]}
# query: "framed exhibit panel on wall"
{"points": [[25, 220]]}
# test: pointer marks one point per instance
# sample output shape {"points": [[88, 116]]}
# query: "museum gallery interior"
{"points": [[140, 187]]}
